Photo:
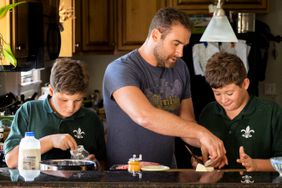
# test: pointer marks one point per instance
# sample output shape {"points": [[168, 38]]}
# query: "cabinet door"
{"points": [[201, 6], [77, 27], [4, 32], [67, 33], [134, 17], [20, 39], [96, 27], [27, 34]]}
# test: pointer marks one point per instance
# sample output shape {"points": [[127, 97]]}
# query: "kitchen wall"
{"points": [[273, 81], [96, 65], [9, 82]]}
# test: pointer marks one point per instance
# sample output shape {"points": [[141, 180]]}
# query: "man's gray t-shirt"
{"points": [[164, 88]]}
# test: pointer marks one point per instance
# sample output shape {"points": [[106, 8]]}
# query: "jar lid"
{"points": [[29, 133], [134, 158]]}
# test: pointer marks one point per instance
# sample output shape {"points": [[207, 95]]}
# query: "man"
{"points": [[148, 101], [59, 121], [250, 127]]}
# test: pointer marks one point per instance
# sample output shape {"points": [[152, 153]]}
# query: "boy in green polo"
{"points": [[59, 122], [250, 127]]}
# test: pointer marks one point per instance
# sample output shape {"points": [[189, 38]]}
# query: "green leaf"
{"points": [[5, 9], [9, 56]]}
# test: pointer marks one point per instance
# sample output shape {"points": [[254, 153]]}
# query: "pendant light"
{"points": [[219, 28]]}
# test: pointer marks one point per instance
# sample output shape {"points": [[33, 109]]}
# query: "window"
{"points": [[30, 82]]}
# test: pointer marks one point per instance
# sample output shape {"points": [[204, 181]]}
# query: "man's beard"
{"points": [[160, 60]]}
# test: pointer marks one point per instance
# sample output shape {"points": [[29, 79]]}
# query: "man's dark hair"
{"points": [[167, 17], [223, 69], [69, 76]]}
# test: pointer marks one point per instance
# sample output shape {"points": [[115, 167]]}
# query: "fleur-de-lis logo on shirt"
{"points": [[78, 133], [247, 179], [247, 132]]}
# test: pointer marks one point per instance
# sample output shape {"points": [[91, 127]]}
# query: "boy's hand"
{"points": [[63, 141], [91, 157], [246, 160]]}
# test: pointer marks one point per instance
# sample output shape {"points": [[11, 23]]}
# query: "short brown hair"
{"points": [[223, 69], [166, 17], [69, 76]]}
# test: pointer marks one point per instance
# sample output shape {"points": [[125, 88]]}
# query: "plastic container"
{"points": [[29, 175], [29, 153], [29, 157]]}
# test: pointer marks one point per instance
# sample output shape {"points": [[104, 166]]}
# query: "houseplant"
{"points": [[6, 54]]}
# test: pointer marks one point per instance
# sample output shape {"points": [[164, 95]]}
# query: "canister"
{"points": [[246, 22]]}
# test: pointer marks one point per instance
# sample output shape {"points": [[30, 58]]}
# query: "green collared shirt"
{"points": [[38, 116], [258, 128]]}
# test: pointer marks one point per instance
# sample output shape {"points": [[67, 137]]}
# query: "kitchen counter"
{"points": [[171, 178]]}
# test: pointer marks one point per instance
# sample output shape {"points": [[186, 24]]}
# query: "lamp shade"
{"points": [[219, 30]]}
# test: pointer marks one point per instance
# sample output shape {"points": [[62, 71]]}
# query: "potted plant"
{"points": [[6, 54]]}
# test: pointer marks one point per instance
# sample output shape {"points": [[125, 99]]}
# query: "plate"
{"points": [[68, 164], [155, 168]]}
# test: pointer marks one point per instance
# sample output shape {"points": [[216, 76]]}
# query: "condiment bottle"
{"points": [[2, 130], [134, 164], [1, 141], [1, 137]]}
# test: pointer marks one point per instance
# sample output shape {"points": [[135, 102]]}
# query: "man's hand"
{"points": [[213, 148], [246, 160], [63, 141]]}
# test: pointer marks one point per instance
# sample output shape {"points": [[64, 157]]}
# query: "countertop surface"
{"points": [[170, 178]]}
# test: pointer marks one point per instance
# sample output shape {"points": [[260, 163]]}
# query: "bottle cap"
{"points": [[29, 133], [134, 158]]}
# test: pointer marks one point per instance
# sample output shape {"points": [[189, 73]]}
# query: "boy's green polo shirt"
{"points": [[37, 116], [258, 128]]}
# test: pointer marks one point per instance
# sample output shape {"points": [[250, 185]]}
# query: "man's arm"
{"points": [[187, 114], [135, 104]]}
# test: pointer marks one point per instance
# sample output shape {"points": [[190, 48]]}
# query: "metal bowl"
{"points": [[68, 164]]}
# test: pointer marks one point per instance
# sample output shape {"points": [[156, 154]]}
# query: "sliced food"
{"points": [[201, 168]]}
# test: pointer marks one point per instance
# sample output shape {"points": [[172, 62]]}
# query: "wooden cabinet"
{"points": [[201, 6], [107, 26], [68, 30], [95, 28], [19, 38], [23, 31], [134, 17], [92, 30], [21, 34], [4, 31]]}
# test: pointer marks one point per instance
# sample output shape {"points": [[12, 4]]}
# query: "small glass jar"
{"points": [[134, 164], [79, 153]]}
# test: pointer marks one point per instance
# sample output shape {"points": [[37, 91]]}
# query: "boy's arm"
{"points": [[62, 141], [254, 164]]}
